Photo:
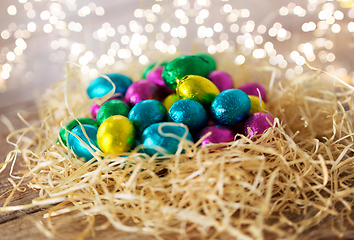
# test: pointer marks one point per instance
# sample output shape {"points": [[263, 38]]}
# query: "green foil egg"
{"points": [[182, 66], [197, 88], [63, 134], [111, 108], [210, 59]]}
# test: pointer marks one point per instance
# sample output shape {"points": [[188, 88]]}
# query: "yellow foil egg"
{"points": [[255, 105], [169, 100], [115, 135], [198, 88]]}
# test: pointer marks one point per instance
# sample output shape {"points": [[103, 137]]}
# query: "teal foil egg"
{"points": [[79, 148], [230, 107], [164, 138], [101, 86], [147, 112], [189, 112], [111, 108], [63, 134], [182, 66]]}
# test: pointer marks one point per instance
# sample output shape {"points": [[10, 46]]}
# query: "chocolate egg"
{"points": [[222, 80], [100, 86], [154, 76], [164, 138], [256, 105], [198, 88], [63, 134], [250, 88], [219, 134], [150, 67], [147, 112], [230, 107], [95, 107], [80, 149], [141, 90], [256, 124], [182, 66], [116, 135], [111, 108], [169, 100], [210, 59], [190, 113]]}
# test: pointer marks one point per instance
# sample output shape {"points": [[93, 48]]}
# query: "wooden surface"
{"points": [[22, 224]]}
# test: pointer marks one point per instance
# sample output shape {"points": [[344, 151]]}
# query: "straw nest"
{"points": [[294, 179]]}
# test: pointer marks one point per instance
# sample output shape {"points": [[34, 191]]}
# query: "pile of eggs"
{"points": [[186, 98]]}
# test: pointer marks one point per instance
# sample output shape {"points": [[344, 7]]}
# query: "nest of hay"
{"points": [[297, 176]]}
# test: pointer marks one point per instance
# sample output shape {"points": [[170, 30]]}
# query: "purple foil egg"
{"points": [[155, 77], [219, 134], [95, 107], [141, 90], [251, 89], [256, 124], [221, 79]]}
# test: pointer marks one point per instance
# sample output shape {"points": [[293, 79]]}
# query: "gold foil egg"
{"points": [[198, 88], [115, 135], [256, 105]]}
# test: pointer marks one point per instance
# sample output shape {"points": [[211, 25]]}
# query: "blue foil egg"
{"points": [[147, 112], [189, 112], [79, 148], [101, 86], [163, 138], [230, 107]]}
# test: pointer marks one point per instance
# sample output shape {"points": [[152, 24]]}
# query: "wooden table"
{"points": [[21, 224]]}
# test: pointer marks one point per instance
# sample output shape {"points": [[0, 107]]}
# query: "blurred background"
{"points": [[38, 37]]}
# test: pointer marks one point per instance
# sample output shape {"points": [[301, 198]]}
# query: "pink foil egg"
{"points": [[155, 77], [250, 88], [256, 124], [221, 79], [141, 90], [95, 107], [219, 134]]}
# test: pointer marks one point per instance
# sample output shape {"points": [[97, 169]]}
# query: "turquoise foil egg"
{"points": [[79, 148], [230, 107], [189, 112], [100, 86], [164, 138], [147, 112]]}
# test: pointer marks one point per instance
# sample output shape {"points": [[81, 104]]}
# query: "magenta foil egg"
{"points": [[250, 88], [219, 134], [141, 90], [221, 79], [155, 77], [256, 124]]}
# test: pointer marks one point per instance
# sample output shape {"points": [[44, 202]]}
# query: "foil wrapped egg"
{"points": [[222, 80], [100, 86], [230, 107], [80, 149], [197, 88], [142, 90], [250, 88], [256, 105], [182, 66], [110, 108], [154, 76], [95, 107], [190, 113], [256, 124], [145, 113], [169, 100], [64, 134], [150, 67], [164, 138], [219, 134], [116, 135], [211, 61]]}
